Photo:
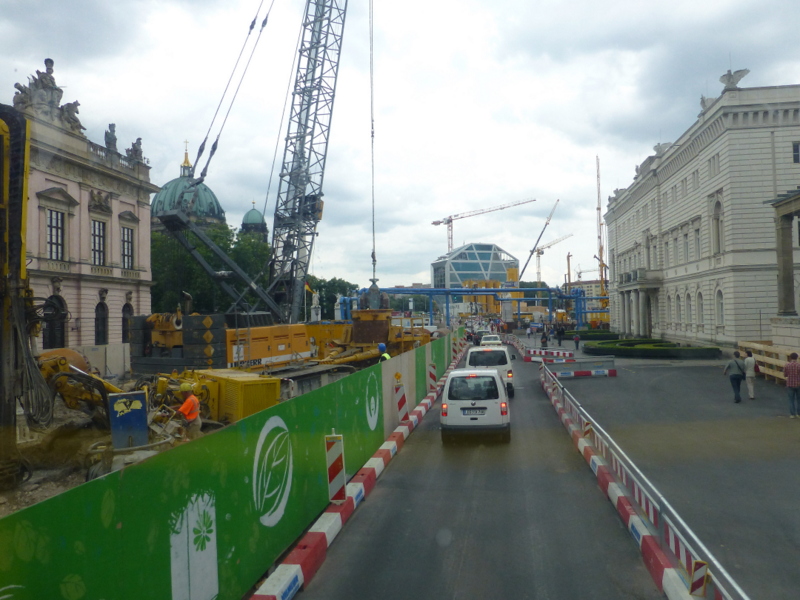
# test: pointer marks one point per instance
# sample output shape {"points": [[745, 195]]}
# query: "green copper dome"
{"points": [[197, 201], [253, 217]]}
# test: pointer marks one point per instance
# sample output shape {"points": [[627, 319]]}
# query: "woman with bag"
{"points": [[737, 369], [750, 374]]}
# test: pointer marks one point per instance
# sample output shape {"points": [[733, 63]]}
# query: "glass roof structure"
{"points": [[473, 262]]}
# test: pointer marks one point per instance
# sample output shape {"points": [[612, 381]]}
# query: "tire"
{"points": [[510, 388]]}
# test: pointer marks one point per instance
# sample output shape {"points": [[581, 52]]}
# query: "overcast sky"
{"points": [[477, 104]]}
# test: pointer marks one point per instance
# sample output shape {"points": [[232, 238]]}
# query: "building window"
{"points": [[675, 251], [55, 235], [700, 318], [713, 166], [685, 247], [127, 248], [54, 330], [720, 309], [101, 324], [689, 319], [697, 243], [696, 180], [669, 310], [678, 309], [127, 315], [716, 230], [98, 243], [796, 152], [666, 254]]}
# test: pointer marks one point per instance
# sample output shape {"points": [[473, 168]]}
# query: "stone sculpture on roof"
{"points": [[731, 80]]}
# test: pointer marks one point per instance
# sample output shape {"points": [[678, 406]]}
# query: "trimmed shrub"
{"points": [[649, 348], [592, 335]]}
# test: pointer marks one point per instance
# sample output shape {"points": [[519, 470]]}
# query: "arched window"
{"points": [[678, 310], [720, 305], [127, 315], [716, 225], [689, 319], [101, 324], [54, 330], [700, 316], [669, 310]]}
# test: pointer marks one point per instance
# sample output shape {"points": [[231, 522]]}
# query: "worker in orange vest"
{"points": [[190, 409]]}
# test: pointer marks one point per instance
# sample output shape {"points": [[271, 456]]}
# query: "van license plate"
{"points": [[473, 411]]}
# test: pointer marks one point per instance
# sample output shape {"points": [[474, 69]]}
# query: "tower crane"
{"points": [[481, 211], [546, 223], [579, 272], [540, 250]]}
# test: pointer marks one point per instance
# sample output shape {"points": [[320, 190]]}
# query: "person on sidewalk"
{"points": [[577, 340], [736, 369], [792, 372], [750, 374], [544, 340]]}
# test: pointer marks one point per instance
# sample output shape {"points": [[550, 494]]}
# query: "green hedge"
{"points": [[592, 335], [649, 348]]}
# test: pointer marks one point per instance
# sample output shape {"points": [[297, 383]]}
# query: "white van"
{"points": [[474, 401], [493, 357]]}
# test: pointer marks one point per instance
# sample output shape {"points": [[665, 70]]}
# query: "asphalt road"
{"points": [[486, 520], [730, 470]]}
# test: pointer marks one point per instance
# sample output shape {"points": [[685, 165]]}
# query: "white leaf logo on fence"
{"points": [[272, 471], [372, 394]]}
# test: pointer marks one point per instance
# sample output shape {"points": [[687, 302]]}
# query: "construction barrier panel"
{"points": [[205, 520], [585, 367]]}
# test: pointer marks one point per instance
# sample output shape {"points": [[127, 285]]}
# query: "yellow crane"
{"points": [[481, 211]]}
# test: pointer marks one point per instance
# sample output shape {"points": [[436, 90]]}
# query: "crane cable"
{"points": [[236, 92], [372, 127]]}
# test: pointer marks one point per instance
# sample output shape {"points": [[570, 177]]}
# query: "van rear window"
{"points": [[473, 388], [488, 359]]}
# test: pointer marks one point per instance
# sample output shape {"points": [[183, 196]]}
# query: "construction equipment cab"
{"points": [[493, 357]]}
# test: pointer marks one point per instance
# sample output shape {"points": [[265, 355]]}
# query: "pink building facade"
{"points": [[88, 236]]}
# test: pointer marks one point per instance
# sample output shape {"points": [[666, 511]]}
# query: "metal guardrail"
{"points": [[674, 536], [595, 363]]}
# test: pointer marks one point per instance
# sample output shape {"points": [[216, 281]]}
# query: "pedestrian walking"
{"points": [[792, 372], [559, 334], [577, 339], [750, 374], [735, 370], [530, 330], [544, 339]]}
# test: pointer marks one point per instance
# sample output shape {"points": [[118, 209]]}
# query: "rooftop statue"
{"points": [[731, 80], [111, 137], [43, 96]]}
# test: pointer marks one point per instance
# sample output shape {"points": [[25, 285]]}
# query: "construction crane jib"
{"points": [[481, 211], [536, 245], [299, 205], [540, 250]]}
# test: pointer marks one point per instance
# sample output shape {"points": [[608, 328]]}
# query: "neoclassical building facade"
{"points": [[692, 240], [88, 223]]}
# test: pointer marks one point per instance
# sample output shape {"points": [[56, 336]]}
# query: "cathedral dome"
{"points": [[253, 221], [198, 201]]}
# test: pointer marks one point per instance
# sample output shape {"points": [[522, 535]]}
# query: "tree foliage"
{"points": [[176, 271]]}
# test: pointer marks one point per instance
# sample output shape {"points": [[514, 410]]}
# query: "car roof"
{"points": [[467, 372]]}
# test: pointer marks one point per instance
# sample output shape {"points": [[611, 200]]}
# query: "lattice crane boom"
{"points": [[480, 211], [299, 205], [536, 245]]}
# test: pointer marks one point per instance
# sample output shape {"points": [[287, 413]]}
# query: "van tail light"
{"points": [[510, 374], [444, 409], [503, 409]]}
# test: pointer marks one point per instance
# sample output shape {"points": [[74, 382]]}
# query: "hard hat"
{"points": [[381, 347], [186, 387]]}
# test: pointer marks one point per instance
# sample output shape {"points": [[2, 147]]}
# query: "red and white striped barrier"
{"points": [[664, 574], [400, 401], [594, 373], [558, 360], [545, 352], [431, 377], [334, 450]]}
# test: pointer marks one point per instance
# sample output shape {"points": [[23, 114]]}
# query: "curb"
{"points": [[667, 578], [308, 554]]}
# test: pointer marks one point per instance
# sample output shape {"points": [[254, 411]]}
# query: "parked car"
{"points": [[474, 401], [493, 357]]}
